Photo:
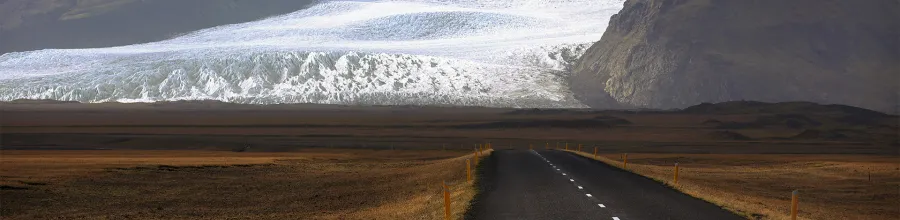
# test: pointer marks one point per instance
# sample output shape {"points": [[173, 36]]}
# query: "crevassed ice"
{"points": [[447, 52]]}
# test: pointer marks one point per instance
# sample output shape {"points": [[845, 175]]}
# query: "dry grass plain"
{"points": [[759, 186], [747, 156], [310, 184]]}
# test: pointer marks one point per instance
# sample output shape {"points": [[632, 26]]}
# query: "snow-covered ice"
{"points": [[495, 53]]}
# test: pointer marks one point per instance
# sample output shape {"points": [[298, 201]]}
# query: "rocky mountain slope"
{"points": [[676, 53], [40, 24]]}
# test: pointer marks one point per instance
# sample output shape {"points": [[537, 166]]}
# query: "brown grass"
{"points": [[43, 166], [335, 184], [759, 186], [320, 184], [427, 205]]}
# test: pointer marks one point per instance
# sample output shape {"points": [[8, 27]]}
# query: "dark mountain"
{"points": [[677, 53], [753, 107], [41, 24]]}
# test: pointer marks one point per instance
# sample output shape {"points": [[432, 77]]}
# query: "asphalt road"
{"points": [[548, 184]]}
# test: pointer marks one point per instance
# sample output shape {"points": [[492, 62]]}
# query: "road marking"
{"points": [[573, 180], [615, 218]]}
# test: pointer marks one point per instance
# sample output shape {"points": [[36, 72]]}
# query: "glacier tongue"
{"points": [[438, 52]]}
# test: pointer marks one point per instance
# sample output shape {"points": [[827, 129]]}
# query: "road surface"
{"points": [[549, 184]]}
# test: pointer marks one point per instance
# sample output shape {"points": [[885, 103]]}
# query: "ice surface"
{"points": [[449, 52]]}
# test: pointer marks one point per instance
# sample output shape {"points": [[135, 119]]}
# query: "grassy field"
{"points": [[759, 186], [314, 184], [223, 126], [176, 159]]}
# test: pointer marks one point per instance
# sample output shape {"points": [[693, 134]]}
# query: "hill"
{"points": [[41, 24], [673, 54]]}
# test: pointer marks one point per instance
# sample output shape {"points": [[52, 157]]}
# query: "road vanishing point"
{"points": [[551, 184]]}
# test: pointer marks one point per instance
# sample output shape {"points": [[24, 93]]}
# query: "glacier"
{"points": [[494, 53]]}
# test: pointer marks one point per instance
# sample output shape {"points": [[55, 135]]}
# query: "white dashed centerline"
{"points": [[571, 180]]}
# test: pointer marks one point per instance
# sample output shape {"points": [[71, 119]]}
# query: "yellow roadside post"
{"points": [[676, 174], [579, 147], [595, 153], [567, 145], [446, 190], [547, 147], [530, 147], [625, 161], [794, 204]]}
